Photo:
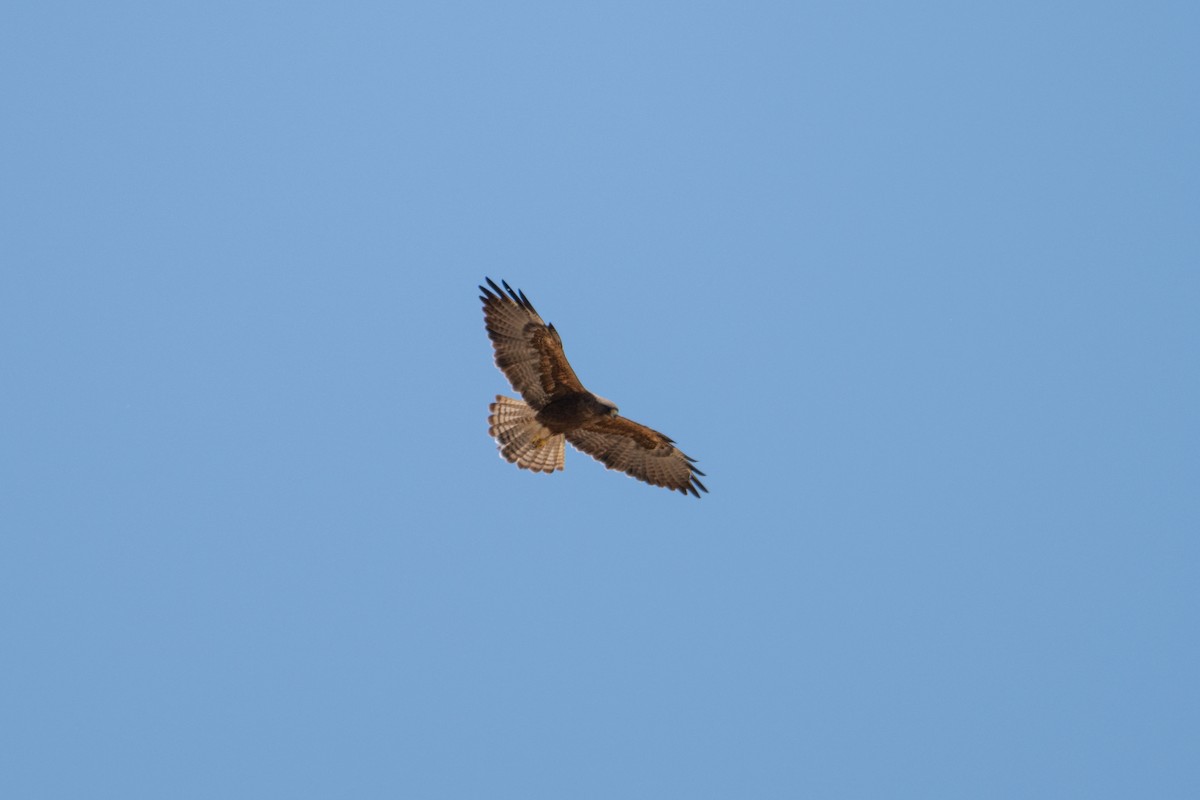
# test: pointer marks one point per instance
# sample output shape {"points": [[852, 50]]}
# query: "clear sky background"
{"points": [[918, 283]]}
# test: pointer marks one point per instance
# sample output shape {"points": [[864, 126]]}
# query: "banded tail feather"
{"points": [[522, 439]]}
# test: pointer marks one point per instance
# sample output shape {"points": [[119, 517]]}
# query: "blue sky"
{"points": [[917, 283]]}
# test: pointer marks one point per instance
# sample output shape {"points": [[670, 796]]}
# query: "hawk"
{"points": [[556, 407]]}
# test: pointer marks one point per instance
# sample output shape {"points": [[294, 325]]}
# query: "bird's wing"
{"points": [[639, 452], [528, 351]]}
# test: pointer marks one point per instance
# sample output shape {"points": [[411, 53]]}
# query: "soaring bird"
{"points": [[556, 407]]}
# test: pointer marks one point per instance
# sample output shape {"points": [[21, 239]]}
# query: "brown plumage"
{"points": [[530, 434]]}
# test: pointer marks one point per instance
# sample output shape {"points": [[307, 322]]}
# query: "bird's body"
{"points": [[572, 411], [556, 407]]}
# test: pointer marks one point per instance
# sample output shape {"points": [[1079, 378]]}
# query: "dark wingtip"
{"points": [[507, 293], [489, 293]]}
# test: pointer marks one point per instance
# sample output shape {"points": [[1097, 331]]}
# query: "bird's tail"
{"points": [[521, 438]]}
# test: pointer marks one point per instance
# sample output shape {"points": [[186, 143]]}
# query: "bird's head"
{"points": [[609, 405]]}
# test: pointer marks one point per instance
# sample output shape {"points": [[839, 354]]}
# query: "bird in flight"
{"points": [[555, 406]]}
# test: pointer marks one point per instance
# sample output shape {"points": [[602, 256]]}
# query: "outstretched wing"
{"points": [[528, 351], [639, 452]]}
